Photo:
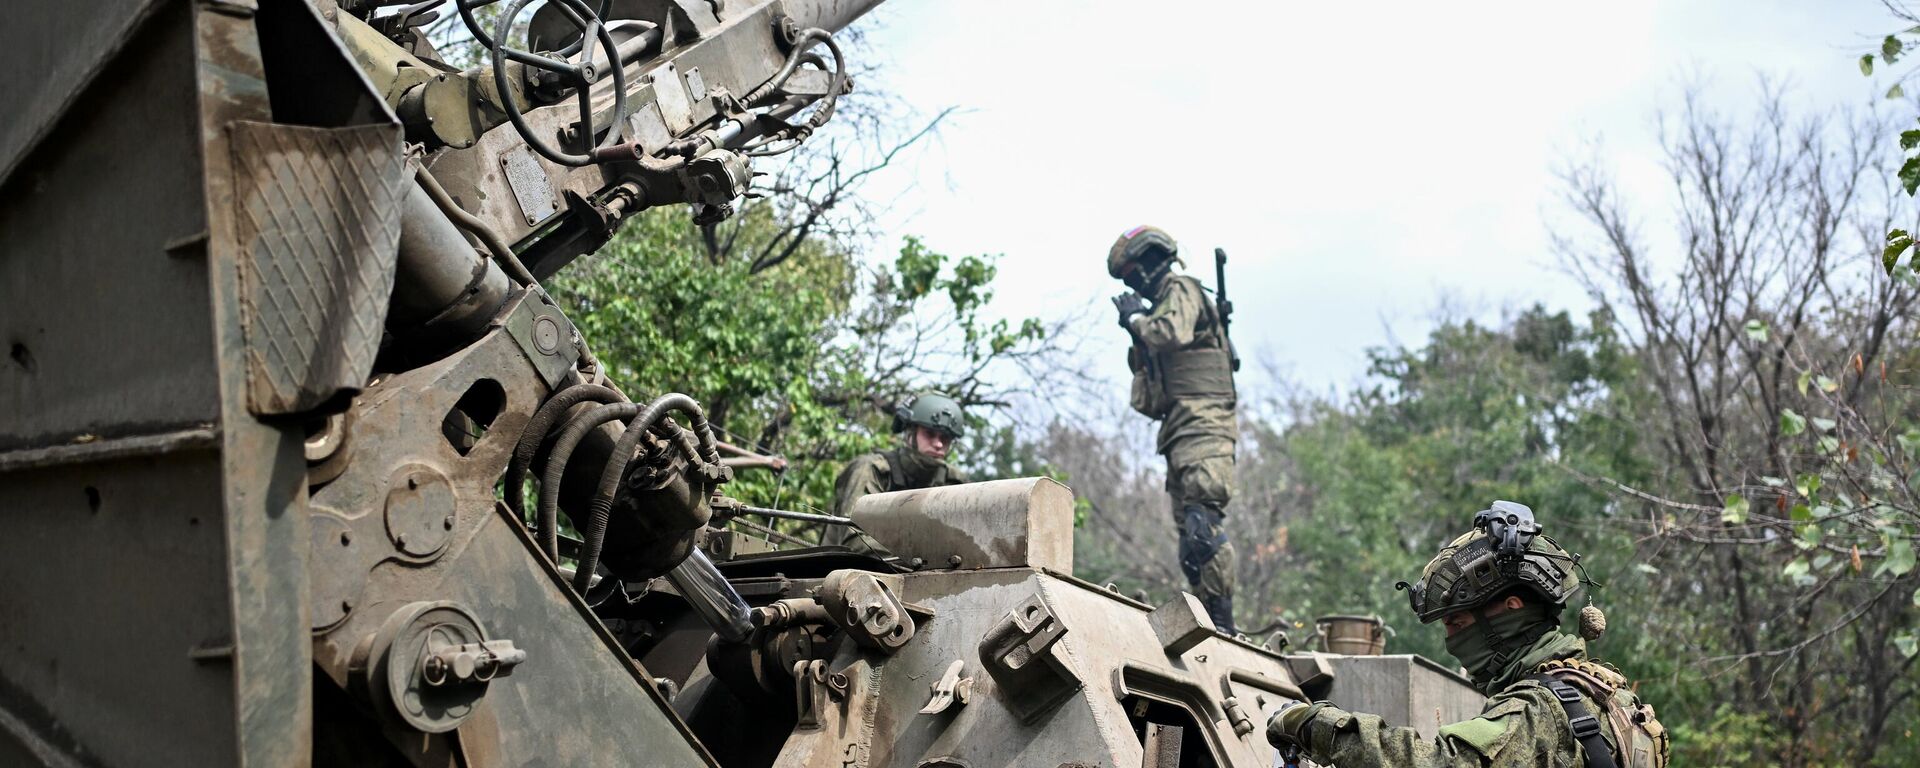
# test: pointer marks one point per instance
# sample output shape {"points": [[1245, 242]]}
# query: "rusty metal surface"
{"points": [[319, 218], [413, 518], [111, 342], [1000, 523], [864, 706], [263, 477]]}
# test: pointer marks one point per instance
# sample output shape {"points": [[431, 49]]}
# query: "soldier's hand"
{"points": [[1283, 729], [1129, 304]]}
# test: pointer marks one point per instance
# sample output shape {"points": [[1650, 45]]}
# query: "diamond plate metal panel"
{"points": [[319, 221]]}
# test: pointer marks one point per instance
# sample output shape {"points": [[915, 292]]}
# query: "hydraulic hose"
{"points": [[712, 597], [601, 509], [556, 468], [531, 439]]}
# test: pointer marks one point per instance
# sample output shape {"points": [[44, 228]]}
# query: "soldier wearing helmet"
{"points": [[927, 424], [1499, 590], [1182, 366]]}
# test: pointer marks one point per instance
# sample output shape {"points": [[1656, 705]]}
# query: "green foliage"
{"points": [[1478, 414], [803, 359], [1729, 739]]}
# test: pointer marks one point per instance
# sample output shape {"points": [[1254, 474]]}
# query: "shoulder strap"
{"points": [[1586, 727]]}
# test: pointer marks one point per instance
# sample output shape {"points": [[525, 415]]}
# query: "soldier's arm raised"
{"points": [[1171, 323]]}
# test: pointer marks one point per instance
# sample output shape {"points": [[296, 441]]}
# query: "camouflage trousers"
{"points": [[1200, 472]]}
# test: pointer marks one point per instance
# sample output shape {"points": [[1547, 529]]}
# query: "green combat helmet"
{"points": [[931, 410], [1136, 244], [1504, 551]]}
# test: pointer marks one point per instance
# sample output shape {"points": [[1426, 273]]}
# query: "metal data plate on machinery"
{"points": [[529, 183]]}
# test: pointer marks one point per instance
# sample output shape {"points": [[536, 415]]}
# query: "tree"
{"points": [[805, 358], [1776, 369]]}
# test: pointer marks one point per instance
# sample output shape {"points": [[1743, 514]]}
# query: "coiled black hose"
{"points": [[600, 511], [536, 433], [556, 468]]}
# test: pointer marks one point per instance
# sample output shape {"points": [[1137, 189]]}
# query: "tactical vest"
{"points": [[1641, 741], [1200, 370]]}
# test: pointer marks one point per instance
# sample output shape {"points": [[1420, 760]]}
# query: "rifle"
{"points": [[1222, 305]]}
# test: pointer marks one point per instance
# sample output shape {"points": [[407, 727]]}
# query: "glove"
{"points": [[1129, 304], [1201, 537], [1283, 729]]}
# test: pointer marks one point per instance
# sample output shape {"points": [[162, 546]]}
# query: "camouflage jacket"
{"points": [[876, 473], [1522, 724], [1182, 322]]}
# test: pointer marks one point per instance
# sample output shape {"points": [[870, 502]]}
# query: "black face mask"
{"points": [[1143, 279]]}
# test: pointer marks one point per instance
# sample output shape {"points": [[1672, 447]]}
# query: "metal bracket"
{"points": [[950, 688]]}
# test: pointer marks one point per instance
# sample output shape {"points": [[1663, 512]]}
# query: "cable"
{"points": [[600, 511], [556, 469], [536, 433], [467, 221]]}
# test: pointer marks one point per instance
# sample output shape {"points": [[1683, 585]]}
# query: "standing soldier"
{"points": [[927, 424], [1183, 368], [1500, 590]]}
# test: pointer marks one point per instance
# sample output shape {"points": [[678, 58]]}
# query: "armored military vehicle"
{"points": [[289, 428]]}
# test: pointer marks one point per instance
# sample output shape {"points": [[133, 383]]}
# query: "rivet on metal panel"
{"points": [[420, 499]]}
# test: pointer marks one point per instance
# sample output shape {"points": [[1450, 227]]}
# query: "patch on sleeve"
{"points": [[1485, 736]]}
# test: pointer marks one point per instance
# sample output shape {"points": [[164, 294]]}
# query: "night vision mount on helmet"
{"points": [[930, 410], [1504, 552]]}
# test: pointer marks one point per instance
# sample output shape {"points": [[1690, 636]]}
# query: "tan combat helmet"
{"points": [[1504, 551], [1136, 244]]}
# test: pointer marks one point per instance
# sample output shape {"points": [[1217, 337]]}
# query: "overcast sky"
{"points": [[1360, 162]]}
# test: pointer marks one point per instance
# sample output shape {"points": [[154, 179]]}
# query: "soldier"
{"points": [[927, 424], [1500, 590], [1182, 368]]}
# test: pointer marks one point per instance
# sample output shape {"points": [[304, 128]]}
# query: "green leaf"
{"points": [[1649, 569], [1756, 330], [1828, 445], [1807, 485], [1898, 241], [1866, 64], [1907, 644], [1801, 383], [1900, 559], [1896, 92], [1810, 536], [1801, 513], [1910, 175], [1792, 423], [1735, 511], [1910, 139], [1773, 481], [1799, 571], [1826, 384], [1909, 441], [1824, 425], [1890, 48], [1916, 598]]}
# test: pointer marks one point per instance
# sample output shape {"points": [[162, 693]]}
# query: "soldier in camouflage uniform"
{"points": [[1500, 590], [927, 424], [1183, 377]]}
